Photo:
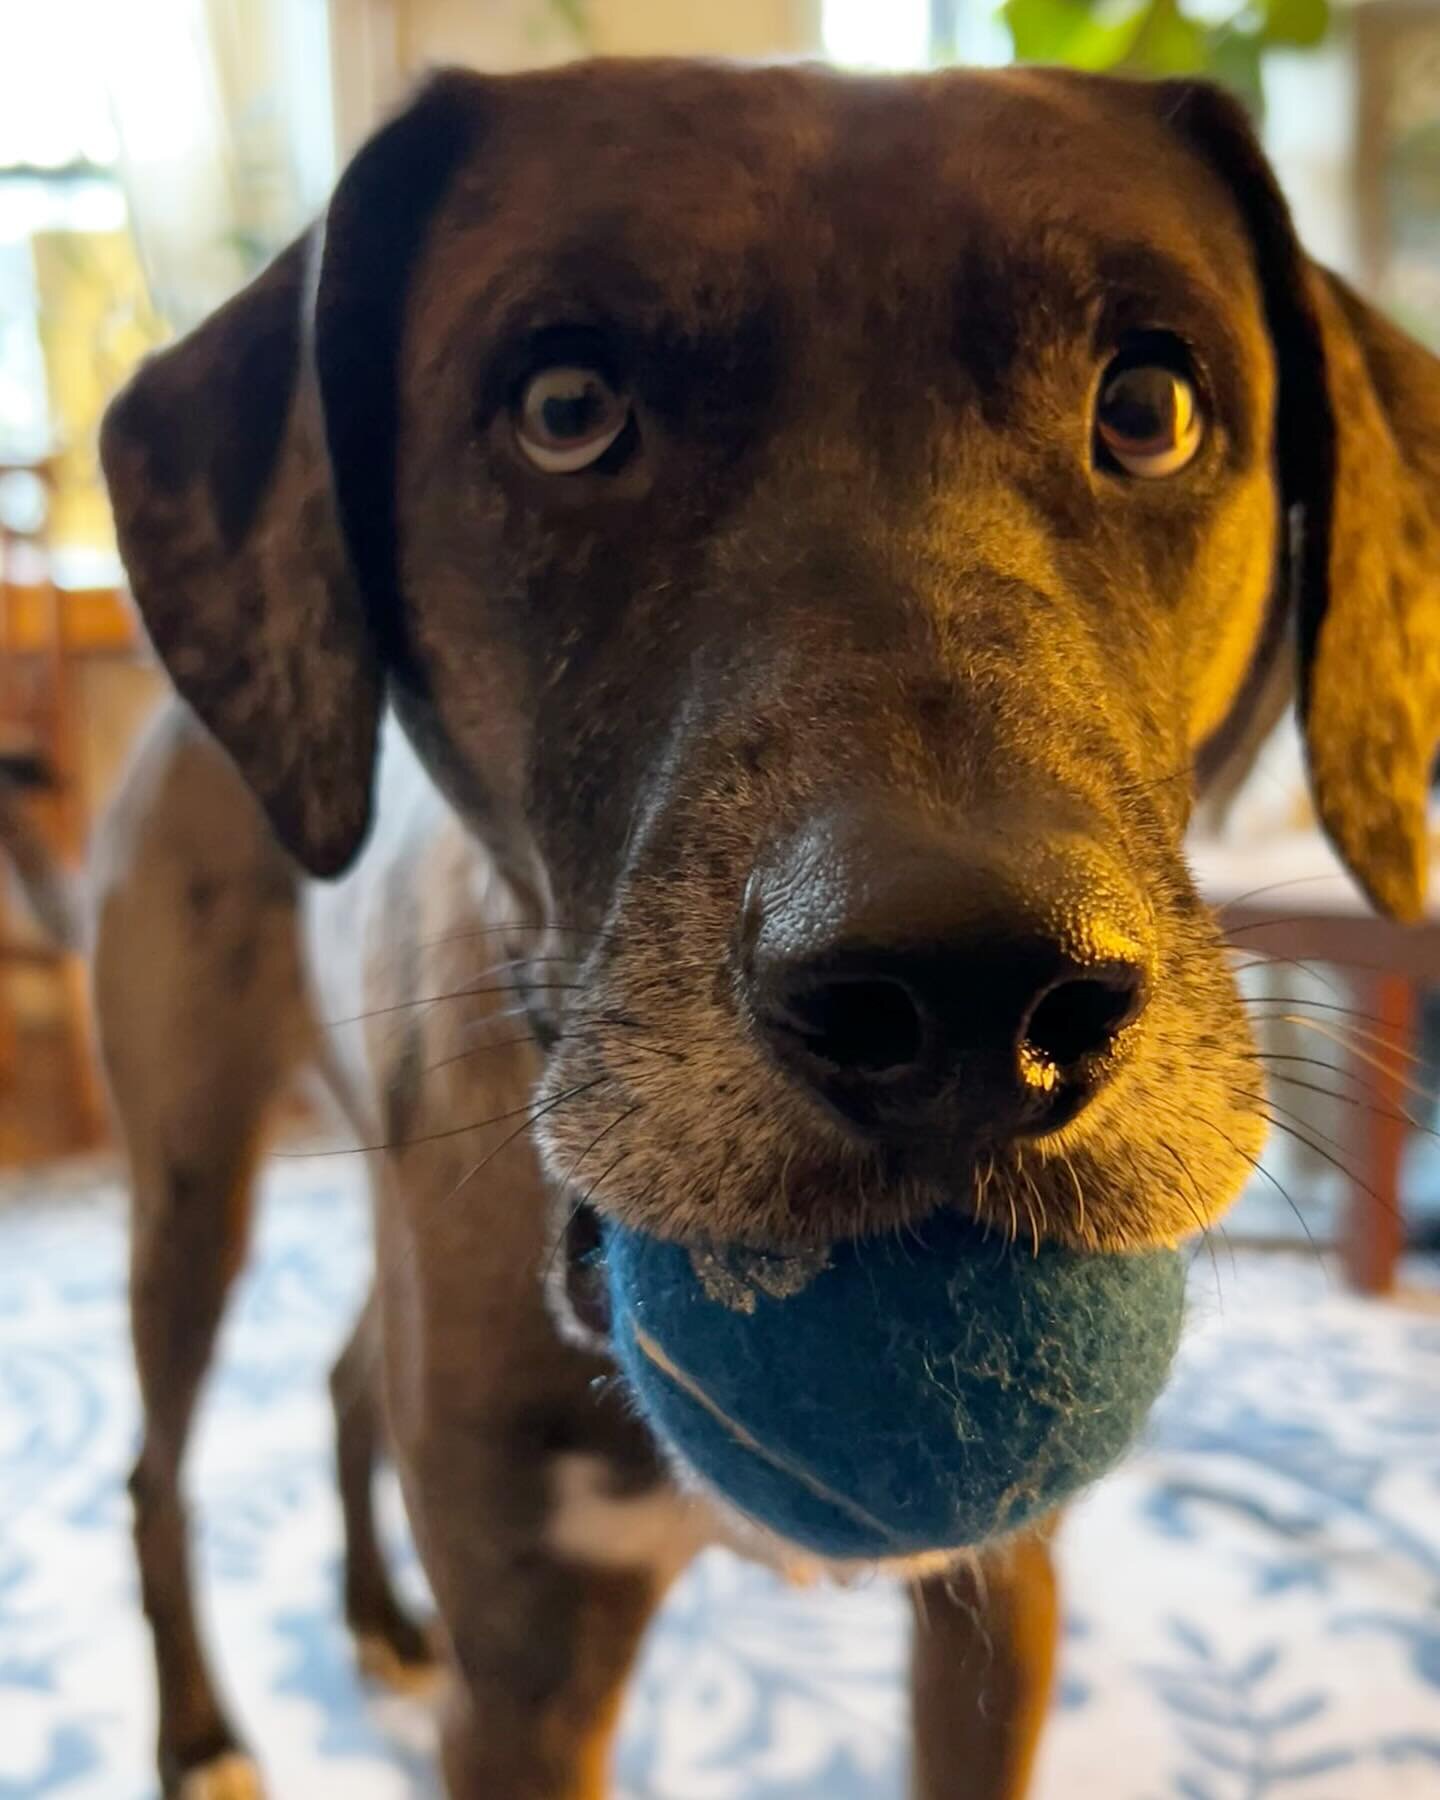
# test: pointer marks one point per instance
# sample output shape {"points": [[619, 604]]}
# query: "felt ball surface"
{"points": [[888, 1397]]}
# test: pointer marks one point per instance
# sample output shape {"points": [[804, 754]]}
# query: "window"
{"points": [[153, 155], [74, 312], [912, 34]]}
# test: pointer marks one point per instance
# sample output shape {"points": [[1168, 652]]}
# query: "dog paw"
{"points": [[414, 1671], [232, 1776]]}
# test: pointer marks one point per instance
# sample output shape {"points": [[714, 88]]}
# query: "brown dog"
{"points": [[809, 529]]}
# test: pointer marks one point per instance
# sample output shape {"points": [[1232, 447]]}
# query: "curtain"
{"points": [[223, 121]]}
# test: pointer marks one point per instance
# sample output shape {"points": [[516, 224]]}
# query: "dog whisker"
{"points": [[1289, 1114], [615, 1162], [510, 1043], [604, 1175], [1258, 1165], [1197, 1212], [578, 1206], [1265, 1101], [541, 928], [564, 1037], [1334, 1007], [521, 960], [1356, 1040], [1344, 1073], [435, 1137], [1358, 1045], [464, 993], [532, 1118], [1314, 1062], [1357, 1100], [1069, 1168], [1329, 1006], [1267, 924], [1186, 772], [1269, 887], [570, 1174], [625, 1021], [1264, 959], [1386, 1206]]}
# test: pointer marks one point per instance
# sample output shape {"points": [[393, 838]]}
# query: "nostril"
{"points": [[1081, 1017], [870, 1026]]}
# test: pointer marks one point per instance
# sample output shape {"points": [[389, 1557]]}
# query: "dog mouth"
{"points": [[585, 1282]]}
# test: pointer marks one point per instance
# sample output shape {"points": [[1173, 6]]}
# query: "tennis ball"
{"points": [[892, 1396]]}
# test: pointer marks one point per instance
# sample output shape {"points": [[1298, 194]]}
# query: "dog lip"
{"points": [[587, 1291]]}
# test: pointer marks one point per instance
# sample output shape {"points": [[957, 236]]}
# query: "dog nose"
{"points": [[983, 985]]}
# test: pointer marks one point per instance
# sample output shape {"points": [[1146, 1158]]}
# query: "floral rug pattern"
{"points": [[1253, 1602]]}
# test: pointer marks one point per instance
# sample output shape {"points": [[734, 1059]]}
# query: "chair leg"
{"points": [[1373, 1229], [8, 1050], [87, 1099]]}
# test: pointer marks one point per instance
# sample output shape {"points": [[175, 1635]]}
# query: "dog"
{"points": [[793, 546]]}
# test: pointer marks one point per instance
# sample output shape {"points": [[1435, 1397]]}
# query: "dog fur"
{"points": [[857, 546]]}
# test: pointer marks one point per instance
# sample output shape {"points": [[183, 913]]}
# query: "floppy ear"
{"points": [[1358, 443], [252, 471]]}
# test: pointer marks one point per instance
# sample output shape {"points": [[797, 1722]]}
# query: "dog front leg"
{"points": [[981, 1665], [542, 1650], [547, 1564]]}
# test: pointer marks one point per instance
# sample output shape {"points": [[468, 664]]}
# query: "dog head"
{"points": [[813, 528]]}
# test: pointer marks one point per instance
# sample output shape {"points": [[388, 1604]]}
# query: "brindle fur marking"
{"points": [[859, 553]]}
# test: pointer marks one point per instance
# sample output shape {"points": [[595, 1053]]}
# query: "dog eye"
{"points": [[1148, 419], [568, 418]]}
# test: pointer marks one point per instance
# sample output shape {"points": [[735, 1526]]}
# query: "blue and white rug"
{"points": [[1253, 1602]]}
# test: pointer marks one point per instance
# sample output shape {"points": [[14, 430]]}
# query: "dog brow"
{"points": [[1138, 273], [722, 327]]}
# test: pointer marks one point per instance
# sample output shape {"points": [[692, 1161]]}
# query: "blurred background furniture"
{"points": [[1290, 901], [39, 761]]}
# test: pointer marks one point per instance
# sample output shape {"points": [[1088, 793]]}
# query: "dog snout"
{"points": [[963, 984]]}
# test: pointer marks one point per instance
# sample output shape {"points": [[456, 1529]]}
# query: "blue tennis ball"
{"points": [[891, 1396]]}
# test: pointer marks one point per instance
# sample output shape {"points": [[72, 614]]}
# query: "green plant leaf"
{"points": [[1158, 37], [1301, 23], [1167, 43], [1078, 33], [574, 15], [1234, 59]]}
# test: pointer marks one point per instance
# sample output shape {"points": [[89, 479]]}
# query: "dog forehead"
{"points": [[694, 172]]}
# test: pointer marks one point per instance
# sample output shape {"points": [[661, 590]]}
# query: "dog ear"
{"points": [[251, 467], [1358, 443]]}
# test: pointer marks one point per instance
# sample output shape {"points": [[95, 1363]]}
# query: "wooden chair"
{"points": [[37, 756], [1290, 899]]}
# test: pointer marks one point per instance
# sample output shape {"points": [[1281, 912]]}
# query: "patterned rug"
{"points": [[1253, 1601]]}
